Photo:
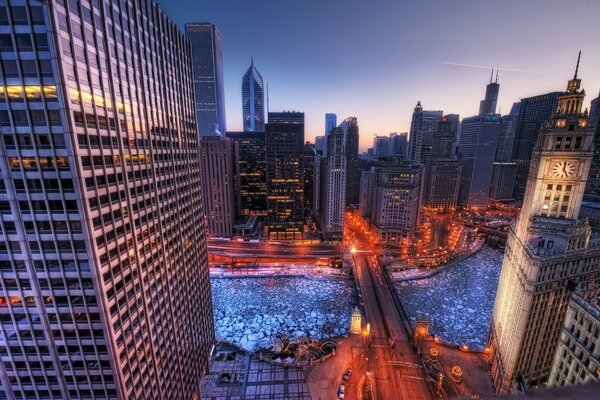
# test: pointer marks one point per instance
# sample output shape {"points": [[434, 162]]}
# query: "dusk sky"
{"points": [[376, 59]]}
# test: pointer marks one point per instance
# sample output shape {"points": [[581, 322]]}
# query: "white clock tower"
{"points": [[548, 249]]}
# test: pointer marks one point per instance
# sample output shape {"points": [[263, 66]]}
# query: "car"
{"points": [[341, 391], [347, 374]]}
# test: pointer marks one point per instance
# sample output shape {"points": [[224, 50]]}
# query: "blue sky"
{"points": [[375, 59]]}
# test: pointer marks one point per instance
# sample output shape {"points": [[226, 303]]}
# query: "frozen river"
{"points": [[253, 311], [458, 302]]}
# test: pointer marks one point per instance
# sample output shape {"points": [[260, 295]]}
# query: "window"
{"points": [[24, 42]]}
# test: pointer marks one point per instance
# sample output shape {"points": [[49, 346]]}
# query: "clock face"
{"points": [[563, 169]]}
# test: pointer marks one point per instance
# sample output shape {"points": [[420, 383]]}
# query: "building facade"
{"points": [[367, 192], [207, 60], [217, 185], [577, 358], [477, 149], [103, 261], [549, 250], [592, 190], [395, 207], [284, 137], [253, 100], [333, 187], [503, 180]]}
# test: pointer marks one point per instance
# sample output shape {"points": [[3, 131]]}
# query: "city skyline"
{"points": [[409, 62]]}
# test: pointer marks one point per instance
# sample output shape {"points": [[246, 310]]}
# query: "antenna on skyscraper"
{"points": [[492, 75], [497, 69]]}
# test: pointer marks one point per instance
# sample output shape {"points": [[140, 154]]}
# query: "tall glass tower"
{"points": [[208, 77], [104, 284], [253, 100]]}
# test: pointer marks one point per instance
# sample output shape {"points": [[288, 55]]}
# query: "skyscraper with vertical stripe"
{"points": [[253, 100]]}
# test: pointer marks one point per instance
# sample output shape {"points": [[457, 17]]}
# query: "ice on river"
{"points": [[458, 301], [253, 311]]}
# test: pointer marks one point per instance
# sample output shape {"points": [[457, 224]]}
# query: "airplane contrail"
{"points": [[500, 68]]}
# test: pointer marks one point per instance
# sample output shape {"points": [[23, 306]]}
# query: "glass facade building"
{"points": [[253, 100], [208, 77], [104, 286]]}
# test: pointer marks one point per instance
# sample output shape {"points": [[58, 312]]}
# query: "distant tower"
{"points": [[350, 128], [333, 186], [330, 122], [253, 100], [487, 106], [548, 252]]}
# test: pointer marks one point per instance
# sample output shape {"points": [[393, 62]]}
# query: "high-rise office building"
{"points": [[595, 110], [549, 250], [442, 177], [423, 125], [487, 106], [250, 175], [477, 150], [367, 192], [503, 180], [103, 260], [217, 185], [532, 113], [396, 201], [330, 122], [207, 60], [310, 154], [333, 187], [284, 137], [253, 100], [399, 144], [321, 144], [577, 360], [353, 169], [382, 146]]}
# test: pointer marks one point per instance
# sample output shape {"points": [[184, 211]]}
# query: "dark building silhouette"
{"points": [[284, 137], [250, 175], [350, 129]]}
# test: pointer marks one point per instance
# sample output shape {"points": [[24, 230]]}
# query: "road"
{"points": [[396, 372], [262, 250]]}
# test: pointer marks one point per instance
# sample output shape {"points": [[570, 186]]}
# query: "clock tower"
{"points": [[549, 249]]}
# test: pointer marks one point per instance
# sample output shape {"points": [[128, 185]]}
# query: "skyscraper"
{"points": [[330, 122], [250, 176], [592, 190], [103, 260], [477, 151], [207, 60], [217, 185], [353, 170], [423, 125], [533, 112], [442, 175], [309, 177], [284, 137], [487, 106], [333, 187], [253, 100], [549, 250]]}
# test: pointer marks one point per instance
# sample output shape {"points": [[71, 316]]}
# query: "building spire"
{"points": [[577, 67], [497, 69], [575, 83], [251, 61], [492, 75]]}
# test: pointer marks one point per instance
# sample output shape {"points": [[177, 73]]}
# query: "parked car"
{"points": [[347, 374], [341, 392]]}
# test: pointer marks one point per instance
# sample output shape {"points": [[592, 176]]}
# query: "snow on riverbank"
{"points": [[253, 311], [459, 301]]}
